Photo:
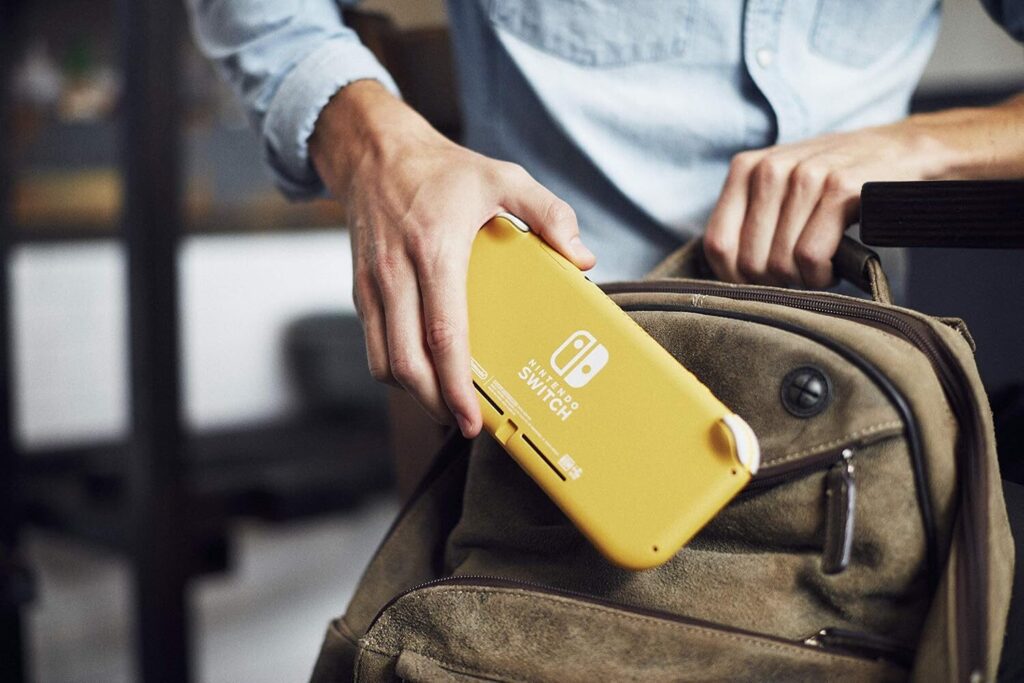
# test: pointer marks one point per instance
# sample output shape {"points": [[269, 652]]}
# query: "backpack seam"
{"points": [[859, 434], [755, 640]]}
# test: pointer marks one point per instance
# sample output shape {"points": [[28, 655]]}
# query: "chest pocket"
{"points": [[856, 32], [599, 33]]}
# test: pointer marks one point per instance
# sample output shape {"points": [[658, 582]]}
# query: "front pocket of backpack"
{"points": [[495, 629]]}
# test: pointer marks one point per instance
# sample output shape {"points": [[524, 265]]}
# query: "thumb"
{"points": [[550, 217]]}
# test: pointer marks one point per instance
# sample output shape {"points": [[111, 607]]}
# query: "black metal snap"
{"points": [[806, 391]]}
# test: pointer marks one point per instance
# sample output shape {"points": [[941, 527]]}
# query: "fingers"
{"points": [[446, 327], [412, 301], [802, 196], [368, 305], [820, 238], [768, 185], [371, 313], [781, 215], [409, 362], [722, 238], [547, 215]]}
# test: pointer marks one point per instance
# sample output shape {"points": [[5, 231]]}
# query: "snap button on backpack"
{"points": [[806, 391]]}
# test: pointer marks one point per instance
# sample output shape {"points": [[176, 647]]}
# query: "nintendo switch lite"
{"points": [[636, 451]]}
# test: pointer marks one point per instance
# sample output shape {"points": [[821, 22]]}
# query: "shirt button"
{"points": [[765, 57]]}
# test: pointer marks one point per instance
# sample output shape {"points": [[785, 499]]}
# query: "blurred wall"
{"points": [[238, 294], [972, 50]]}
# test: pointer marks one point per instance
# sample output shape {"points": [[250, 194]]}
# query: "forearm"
{"points": [[285, 65], [973, 143]]}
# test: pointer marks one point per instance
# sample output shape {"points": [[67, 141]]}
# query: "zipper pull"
{"points": [[861, 644], [840, 499]]}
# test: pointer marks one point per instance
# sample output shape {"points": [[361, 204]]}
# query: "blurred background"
{"points": [[263, 508]]}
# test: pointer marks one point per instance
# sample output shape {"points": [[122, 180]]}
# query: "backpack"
{"points": [[873, 544]]}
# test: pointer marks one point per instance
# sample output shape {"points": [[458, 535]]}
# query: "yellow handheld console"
{"points": [[634, 449]]}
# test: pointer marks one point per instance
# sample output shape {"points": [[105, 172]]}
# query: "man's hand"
{"points": [[783, 209], [415, 201]]}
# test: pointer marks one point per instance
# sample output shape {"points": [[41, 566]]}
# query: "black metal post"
{"points": [[151, 34], [14, 583]]}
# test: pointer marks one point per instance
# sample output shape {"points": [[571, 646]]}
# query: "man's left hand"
{"points": [[783, 209]]}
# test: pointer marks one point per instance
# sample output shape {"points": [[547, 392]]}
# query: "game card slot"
{"points": [[489, 399], [539, 452]]}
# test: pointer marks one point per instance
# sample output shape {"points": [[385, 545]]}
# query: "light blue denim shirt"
{"points": [[630, 111]]}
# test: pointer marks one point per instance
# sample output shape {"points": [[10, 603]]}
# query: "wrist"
{"points": [[344, 132], [359, 126], [927, 143]]}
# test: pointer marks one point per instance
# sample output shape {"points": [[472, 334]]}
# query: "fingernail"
{"points": [[464, 424], [578, 248]]}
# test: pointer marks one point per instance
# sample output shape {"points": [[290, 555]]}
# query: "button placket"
{"points": [[762, 24]]}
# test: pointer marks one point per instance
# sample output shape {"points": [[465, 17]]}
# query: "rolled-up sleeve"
{"points": [[1009, 14], [285, 59]]}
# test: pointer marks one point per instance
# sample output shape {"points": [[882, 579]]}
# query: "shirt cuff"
{"points": [[300, 98]]}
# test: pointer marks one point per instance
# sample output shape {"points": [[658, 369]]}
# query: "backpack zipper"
{"points": [[861, 644], [840, 499], [770, 476], [870, 647], [840, 502], [972, 570]]}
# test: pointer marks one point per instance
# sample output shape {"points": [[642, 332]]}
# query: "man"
{"points": [[642, 122]]}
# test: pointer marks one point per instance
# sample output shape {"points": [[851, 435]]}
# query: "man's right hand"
{"points": [[415, 201]]}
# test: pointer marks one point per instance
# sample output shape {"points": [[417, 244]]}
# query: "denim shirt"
{"points": [[630, 111]]}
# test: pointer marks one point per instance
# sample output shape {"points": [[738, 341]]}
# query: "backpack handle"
{"points": [[853, 262]]}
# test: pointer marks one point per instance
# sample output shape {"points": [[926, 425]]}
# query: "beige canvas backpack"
{"points": [[872, 545]]}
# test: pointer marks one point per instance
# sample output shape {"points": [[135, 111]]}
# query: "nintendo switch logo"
{"points": [[579, 358]]}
